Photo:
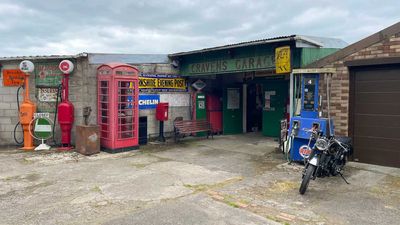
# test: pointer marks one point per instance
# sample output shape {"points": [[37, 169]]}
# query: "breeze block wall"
{"points": [[340, 83]]}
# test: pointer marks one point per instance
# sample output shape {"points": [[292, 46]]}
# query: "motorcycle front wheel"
{"points": [[306, 179]]}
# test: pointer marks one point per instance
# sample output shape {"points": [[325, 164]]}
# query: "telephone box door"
{"points": [[126, 119]]}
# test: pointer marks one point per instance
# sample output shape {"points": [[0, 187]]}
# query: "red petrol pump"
{"points": [[65, 108], [27, 108]]}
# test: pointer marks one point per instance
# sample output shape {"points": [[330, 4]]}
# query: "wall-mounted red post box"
{"points": [[162, 111], [162, 115]]}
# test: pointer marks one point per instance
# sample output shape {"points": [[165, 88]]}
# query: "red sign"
{"points": [[305, 151], [13, 77]]}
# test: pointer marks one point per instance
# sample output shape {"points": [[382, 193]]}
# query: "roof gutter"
{"points": [[84, 54]]}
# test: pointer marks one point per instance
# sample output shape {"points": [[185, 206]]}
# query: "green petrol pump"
{"points": [[201, 112], [200, 109], [199, 98]]}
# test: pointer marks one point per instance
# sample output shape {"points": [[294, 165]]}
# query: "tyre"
{"points": [[306, 179]]}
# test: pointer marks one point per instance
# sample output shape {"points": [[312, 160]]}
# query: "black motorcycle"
{"points": [[327, 158]]}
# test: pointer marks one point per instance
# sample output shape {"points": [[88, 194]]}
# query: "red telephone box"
{"points": [[118, 109]]}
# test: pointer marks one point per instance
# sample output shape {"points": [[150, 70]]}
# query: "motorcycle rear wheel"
{"points": [[306, 179]]}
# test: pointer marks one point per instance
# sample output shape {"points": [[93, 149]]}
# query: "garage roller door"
{"points": [[376, 115]]}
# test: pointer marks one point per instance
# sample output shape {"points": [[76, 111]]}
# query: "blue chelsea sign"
{"points": [[148, 101]]}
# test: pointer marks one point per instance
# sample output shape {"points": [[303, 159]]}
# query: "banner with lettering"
{"points": [[162, 82]]}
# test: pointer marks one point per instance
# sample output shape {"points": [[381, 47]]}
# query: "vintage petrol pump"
{"points": [[118, 108], [65, 108], [27, 108], [309, 118]]}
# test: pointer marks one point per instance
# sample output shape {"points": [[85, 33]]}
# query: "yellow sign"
{"points": [[282, 59], [162, 83]]}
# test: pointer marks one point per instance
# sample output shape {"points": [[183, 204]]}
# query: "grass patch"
{"points": [[206, 187], [230, 203], [139, 165], [97, 189]]}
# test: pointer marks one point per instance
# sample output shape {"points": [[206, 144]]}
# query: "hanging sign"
{"points": [[13, 78], [162, 82], [199, 85], [282, 60]]}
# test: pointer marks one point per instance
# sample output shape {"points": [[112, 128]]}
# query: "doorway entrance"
{"points": [[254, 107]]}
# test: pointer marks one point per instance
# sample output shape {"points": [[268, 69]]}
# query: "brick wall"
{"points": [[340, 81]]}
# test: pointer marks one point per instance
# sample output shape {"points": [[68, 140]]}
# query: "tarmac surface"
{"points": [[239, 179]]}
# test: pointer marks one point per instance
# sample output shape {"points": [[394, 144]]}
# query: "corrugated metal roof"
{"points": [[326, 42], [320, 42], [355, 47], [100, 58], [41, 57]]}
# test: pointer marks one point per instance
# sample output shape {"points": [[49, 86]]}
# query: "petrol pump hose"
{"points": [[55, 113], [19, 123]]}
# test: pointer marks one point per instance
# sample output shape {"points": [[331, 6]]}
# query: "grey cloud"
{"points": [[154, 26]]}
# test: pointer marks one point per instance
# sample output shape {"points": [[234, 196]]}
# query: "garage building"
{"points": [[365, 95]]}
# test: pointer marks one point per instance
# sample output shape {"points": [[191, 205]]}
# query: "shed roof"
{"points": [[353, 48], [301, 40], [100, 58], [42, 57]]}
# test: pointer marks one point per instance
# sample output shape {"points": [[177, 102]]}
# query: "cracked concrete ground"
{"points": [[238, 179]]}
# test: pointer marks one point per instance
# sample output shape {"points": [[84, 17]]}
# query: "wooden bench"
{"points": [[189, 127]]}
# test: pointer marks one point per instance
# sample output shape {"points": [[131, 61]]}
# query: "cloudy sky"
{"points": [[38, 27]]}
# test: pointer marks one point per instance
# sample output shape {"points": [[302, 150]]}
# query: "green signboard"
{"points": [[232, 65], [47, 74], [47, 78]]}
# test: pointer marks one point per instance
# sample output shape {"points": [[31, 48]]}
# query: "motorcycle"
{"points": [[328, 157]]}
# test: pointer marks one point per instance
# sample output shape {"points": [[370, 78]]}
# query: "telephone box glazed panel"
{"points": [[118, 109]]}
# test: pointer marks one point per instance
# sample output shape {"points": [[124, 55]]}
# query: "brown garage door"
{"points": [[376, 114]]}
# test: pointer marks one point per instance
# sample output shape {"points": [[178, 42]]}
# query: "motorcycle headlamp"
{"points": [[321, 144]]}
